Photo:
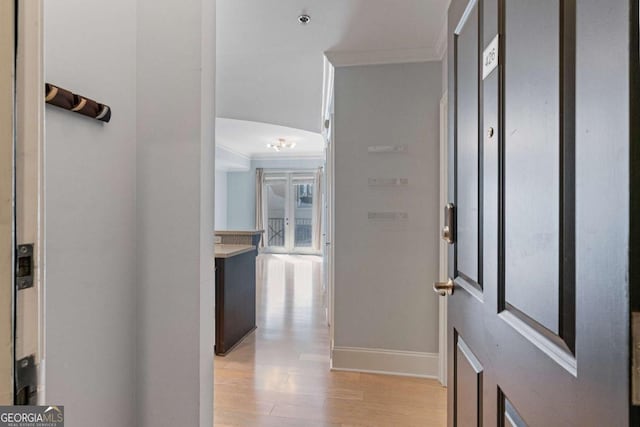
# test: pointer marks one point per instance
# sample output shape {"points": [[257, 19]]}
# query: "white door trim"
{"points": [[7, 113], [328, 132], [444, 260], [30, 320], [21, 170], [331, 235]]}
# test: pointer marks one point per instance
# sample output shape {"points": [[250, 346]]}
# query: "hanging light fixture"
{"points": [[281, 144]]}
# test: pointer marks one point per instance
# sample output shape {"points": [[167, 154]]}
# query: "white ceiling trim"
{"points": [[441, 43], [379, 57], [232, 151], [230, 160], [288, 156]]}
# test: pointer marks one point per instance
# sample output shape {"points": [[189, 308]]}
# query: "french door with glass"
{"points": [[290, 212]]}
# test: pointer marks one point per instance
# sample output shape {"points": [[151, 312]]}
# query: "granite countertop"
{"points": [[228, 251], [238, 232]]}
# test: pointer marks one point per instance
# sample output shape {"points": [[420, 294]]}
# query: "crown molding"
{"points": [[441, 43], [380, 57], [443, 37], [232, 151], [288, 156], [229, 160], [269, 156]]}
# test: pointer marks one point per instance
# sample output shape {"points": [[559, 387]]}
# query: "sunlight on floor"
{"points": [[280, 376]]}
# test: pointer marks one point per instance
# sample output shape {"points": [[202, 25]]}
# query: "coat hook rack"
{"points": [[68, 100]]}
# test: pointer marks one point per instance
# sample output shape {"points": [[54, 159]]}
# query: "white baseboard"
{"points": [[390, 362]]}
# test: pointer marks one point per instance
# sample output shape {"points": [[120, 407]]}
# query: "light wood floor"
{"points": [[280, 377]]}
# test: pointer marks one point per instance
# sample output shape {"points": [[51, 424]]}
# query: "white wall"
{"points": [[90, 194], [386, 315], [175, 212], [221, 200], [129, 213]]}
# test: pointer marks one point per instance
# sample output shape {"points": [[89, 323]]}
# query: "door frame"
{"points": [[329, 233], [22, 217], [634, 237], [328, 245], [7, 213], [29, 183], [444, 246]]}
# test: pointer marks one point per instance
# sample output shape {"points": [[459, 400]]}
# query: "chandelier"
{"points": [[281, 144]]}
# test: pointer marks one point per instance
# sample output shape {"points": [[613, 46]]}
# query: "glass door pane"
{"points": [[303, 200], [276, 198]]}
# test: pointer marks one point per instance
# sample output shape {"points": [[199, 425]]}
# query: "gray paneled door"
{"points": [[540, 160]]}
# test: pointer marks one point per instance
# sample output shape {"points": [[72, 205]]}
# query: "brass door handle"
{"points": [[444, 288]]}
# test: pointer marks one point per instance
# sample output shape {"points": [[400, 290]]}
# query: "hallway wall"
{"points": [[386, 315], [90, 214], [175, 212], [129, 213]]}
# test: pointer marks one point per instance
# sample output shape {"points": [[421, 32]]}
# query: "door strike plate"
{"points": [[24, 266]]}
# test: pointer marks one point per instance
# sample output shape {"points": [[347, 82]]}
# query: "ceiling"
{"points": [[250, 139], [270, 67]]}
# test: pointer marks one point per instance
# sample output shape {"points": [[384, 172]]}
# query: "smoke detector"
{"points": [[304, 19]]}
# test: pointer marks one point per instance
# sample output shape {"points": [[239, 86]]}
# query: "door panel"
{"points": [[468, 386], [550, 323], [509, 416], [537, 157], [303, 200], [466, 47], [532, 158], [276, 197]]}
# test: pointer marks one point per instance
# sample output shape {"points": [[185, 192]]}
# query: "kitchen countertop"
{"points": [[238, 232], [228, 251]]}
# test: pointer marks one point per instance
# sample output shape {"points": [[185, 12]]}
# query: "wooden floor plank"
{"points": [[280, 375]]}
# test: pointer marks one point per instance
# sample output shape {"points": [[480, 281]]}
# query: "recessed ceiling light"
{"points": [[304, 19]]}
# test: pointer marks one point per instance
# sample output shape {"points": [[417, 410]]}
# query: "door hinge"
{"points": [[24, 266], [635, 360], [26, 392]]}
